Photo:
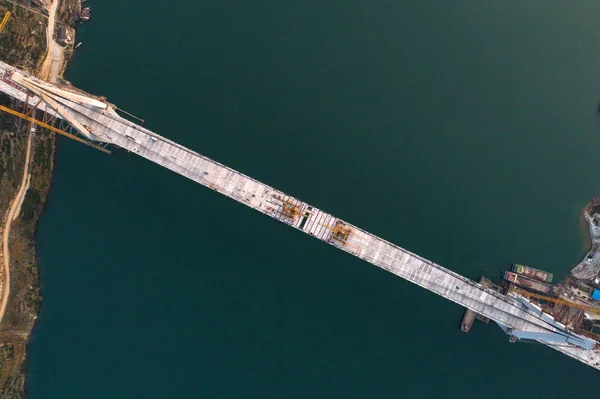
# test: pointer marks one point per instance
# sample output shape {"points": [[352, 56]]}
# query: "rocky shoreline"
{"points": [[589, 267]]}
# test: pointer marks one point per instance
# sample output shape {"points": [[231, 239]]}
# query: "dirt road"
{"points": [[49, 71], [13, 212], [54, 56]]}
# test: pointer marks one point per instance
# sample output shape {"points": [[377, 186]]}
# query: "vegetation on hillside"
{"points": [[23, 45]]}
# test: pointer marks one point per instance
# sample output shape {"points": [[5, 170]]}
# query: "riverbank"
{"points": [[26, 167], [589, 267], [21, 290], [403, 119]]}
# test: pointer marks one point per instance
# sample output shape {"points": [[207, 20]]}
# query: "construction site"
{"points": [[526, 306], [574, 303], [523, 302]]}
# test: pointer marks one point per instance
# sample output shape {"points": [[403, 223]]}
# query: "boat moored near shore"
{"points": [[533, 273], [530, 283]]}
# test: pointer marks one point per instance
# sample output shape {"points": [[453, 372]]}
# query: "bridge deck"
{"points": [[107, 126]]}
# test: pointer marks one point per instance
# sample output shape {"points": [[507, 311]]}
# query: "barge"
{"points": [[533, 273], [530, 283], [470, 315]]}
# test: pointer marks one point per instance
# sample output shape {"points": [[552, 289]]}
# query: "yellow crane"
{"points": [[340, 233], [4, 20], [52, 128], [559, 301]]}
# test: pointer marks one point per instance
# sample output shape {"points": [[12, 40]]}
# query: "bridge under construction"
{"points": [[96, 122]]}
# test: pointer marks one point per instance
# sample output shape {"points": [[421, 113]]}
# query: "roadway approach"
{"points": [[97, 120]]}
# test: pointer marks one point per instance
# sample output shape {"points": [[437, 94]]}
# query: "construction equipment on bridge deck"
{"points": [[340, 232], [52, 128], [290, 210], [4, 20], [559, 301]]}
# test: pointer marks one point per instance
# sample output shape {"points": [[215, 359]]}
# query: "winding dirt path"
{"points": [[49, 71], [11, 215]]}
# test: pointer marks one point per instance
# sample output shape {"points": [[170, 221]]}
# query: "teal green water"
{"points": [[463, 131]]}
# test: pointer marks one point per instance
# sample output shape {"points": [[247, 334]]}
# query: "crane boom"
{"points": [[52, 128], [4, 20], [559, 301]]}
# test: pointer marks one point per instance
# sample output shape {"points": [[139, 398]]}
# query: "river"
{"points": [[463, 131]]}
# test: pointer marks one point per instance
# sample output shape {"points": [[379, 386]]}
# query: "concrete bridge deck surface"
{"points": [[100, 122]]}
